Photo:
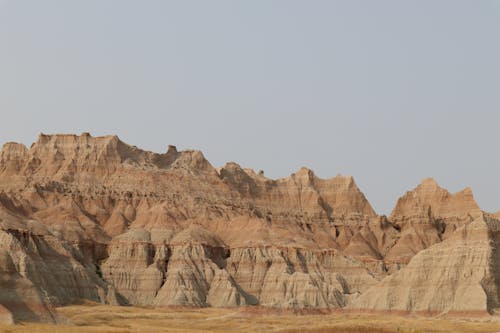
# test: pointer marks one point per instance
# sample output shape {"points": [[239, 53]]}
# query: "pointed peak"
{"points": [[344, 181], [303, 175], [195, 160], [429, 182], [304, 172], [429, 195]]}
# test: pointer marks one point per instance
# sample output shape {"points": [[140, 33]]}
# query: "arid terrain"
{"points": [[112, 319], [93, 219]]}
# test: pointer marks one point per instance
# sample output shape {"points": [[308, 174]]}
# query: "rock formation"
{"points": [[427, 215], [457, 276], [85, 217]]}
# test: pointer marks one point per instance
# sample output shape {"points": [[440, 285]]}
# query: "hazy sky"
{"points": [[387, 91]]}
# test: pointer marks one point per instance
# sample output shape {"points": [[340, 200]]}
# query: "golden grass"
{"points": [[103, 319]]}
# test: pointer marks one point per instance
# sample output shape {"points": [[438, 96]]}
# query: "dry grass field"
{"points": [[103, 319]]}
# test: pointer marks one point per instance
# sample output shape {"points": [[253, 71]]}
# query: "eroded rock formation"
{"points": [[85, 217], [457, 276]]}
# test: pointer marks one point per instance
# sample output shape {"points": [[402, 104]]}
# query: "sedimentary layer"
{"points": [[94, 218]]}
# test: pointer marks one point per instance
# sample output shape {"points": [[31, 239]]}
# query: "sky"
{"points": [[390, 92]]}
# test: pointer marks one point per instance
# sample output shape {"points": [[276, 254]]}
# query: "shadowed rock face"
{"points": [[85, 217]]}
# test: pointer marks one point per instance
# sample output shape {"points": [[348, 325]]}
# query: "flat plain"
{"points": [[90, 318]]}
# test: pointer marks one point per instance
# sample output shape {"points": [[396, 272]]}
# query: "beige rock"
{"points": [[431, 203], [19, 298], [427, 215], [297, 277], [458, 275], [135, 266], [196, 273], [85, 217], [40, 271]]}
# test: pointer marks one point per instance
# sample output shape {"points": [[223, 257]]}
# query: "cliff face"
{"points": [[94, 218], [427, 215], [457, 276]]}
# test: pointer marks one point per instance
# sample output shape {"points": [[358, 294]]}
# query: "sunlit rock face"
{"points": [[94, 218], [457, 276]]}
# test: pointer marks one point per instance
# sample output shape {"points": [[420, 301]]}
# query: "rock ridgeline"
{"points": [[93, 218]]}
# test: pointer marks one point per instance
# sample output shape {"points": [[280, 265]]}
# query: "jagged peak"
{"points": [[348, 180], [195, 160], [429, 183], [429, 195], [303, 173], [235, 167], [85, 137], [73, 148], [304, 176], [304, 170], [340, 181]]}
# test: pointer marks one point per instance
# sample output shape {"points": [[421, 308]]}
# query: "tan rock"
{"points": [[6, 316], [85, 217], [427, 215], [135, 266], [458, 275], [430, 200], [196, 272]]}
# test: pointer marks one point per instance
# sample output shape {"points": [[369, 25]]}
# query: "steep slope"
{"points": [[94, 218], [332, 210], [195, 267], [39, 271], [457, 276], [430, 200], [427, 215], [133, 220]]}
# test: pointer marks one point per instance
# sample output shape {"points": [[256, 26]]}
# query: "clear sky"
{"points": [[387, 91]]}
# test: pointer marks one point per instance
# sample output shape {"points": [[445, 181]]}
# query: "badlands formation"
{"points": [[93, 218]]}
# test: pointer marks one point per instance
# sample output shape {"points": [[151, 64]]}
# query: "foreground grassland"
{"points": [[101, 319]]}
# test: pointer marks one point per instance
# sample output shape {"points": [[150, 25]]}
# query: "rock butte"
{"points": [[93, 218]]}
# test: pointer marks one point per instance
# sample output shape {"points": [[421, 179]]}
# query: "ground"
{"points": [[91, 318]]}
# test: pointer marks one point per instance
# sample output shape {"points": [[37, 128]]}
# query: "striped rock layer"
{"points": [[94, 218]]}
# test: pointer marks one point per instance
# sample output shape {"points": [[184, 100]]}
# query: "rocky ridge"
{"points": [[85, 217]]}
